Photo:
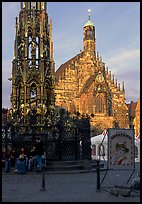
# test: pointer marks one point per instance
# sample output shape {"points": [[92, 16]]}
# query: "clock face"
{"points": [[100, 78]]}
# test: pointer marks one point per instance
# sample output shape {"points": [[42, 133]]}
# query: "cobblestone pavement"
{"points": [[76, 187]]}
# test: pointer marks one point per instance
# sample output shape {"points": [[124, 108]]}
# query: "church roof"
{"points": [[89, 23], [86, 85], [64, 66]]}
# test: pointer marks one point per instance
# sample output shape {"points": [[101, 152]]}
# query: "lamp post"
{"points": [[43, 177], [98, 175]]}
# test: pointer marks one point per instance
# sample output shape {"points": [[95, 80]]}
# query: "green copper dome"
{"points": [[89, 23]]}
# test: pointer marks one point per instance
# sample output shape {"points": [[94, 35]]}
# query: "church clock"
{"points": [[100, 78]]}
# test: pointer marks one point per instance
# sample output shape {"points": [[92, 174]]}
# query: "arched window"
{"points": [[37, 47], [89, 33], [99, 104], [24, 4], [30, 48], [33, 91]]}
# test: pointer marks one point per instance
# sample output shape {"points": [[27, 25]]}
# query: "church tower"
{"points": [[33, 63], [89, 37]]}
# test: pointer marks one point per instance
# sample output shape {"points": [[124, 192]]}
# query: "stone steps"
{"points": [[78, 166], [65, 165], [73, 166]]}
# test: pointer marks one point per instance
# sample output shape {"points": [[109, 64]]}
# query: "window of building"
{"points": [[99, 104], [33, 91], [89, 34], [37, 47], [30, 48]]}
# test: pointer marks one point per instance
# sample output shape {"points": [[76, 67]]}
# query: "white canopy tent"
{"points": [[97, 140]]}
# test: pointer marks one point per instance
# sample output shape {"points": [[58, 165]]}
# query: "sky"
{"points": [[117, 26]]}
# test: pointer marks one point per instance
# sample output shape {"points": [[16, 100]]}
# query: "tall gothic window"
{"points": [[24, 4], [37, 47], [36, 5], [30, 48], [33, 91], [89, 34], [99, 104]]}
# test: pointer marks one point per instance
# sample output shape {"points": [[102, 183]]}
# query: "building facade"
{"points": [[134, 117], [83, 84], [136, 121]]}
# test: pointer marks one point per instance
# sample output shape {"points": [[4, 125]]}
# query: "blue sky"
{"points": [[117, 27]]}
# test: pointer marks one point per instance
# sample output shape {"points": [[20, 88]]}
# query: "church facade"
{"points": [[84, 85]]}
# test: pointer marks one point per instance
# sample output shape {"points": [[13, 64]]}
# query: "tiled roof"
{"points": [[64, 66], [86, 85]]}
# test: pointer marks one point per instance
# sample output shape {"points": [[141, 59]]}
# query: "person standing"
{"points": [[6, 159], [39, 153], [13, 157]]}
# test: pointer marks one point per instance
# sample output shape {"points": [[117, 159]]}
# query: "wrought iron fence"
{"points": [[67, 140]]}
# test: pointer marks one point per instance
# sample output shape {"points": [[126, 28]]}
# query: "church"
{"points": [[84, 85]]}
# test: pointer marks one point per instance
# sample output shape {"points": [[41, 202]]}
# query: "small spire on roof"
{"points": [[89, 10], [123, 89], [118, 86], [89, 23]]}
